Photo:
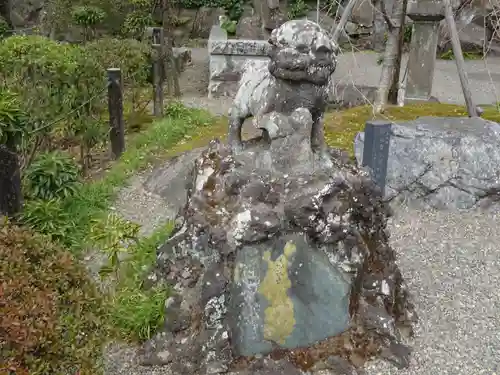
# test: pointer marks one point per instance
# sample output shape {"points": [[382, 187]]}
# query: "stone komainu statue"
{"points": [[302, 60]]}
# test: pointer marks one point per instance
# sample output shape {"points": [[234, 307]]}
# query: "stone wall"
{"points": [[227, 57]]}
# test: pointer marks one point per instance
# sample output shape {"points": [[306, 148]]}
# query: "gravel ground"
{"points": [[451, 262]]}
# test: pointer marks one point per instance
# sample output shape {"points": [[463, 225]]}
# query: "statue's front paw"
{"points": [[236, 147]]}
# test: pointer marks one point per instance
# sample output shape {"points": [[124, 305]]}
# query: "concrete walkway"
{"points": [[361, 68]]}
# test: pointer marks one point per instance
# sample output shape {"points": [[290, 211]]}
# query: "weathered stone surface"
{"points": [[302, 60], [280, 251], [228, 58], [169, 180], [239, 47], [442, 162], [301, 297], [250, 28], [182, 57]]}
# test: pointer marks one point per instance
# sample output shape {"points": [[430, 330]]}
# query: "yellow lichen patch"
{"points": [[279, 319]]}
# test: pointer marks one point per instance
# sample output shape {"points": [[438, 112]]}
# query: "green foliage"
{"points": [[113, 235], [195, 4], [52, 175], [408, 32], [52, 79], [136, 22], [53, 318], [4, 27], [13, 119], [137, 312], [233, 8], [131, 56], [87, 16], [229, 26], [449, 55], [297, 9], [49, 217]]}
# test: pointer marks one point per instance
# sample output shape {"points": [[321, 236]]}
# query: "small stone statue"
{"points": [[302, 60]]}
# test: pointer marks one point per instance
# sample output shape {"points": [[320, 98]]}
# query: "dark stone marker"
{"points": [[115, 107], [376, 150], [10, 183]]}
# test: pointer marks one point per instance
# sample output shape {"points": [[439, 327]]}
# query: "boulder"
{"points": [[443, 163], [279, 261], [250, 27]]}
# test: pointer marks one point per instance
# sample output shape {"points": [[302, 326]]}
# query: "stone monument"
{"points": [[279, 261], [426, 15]]}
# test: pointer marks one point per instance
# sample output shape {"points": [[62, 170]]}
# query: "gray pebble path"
{"points": [[451, 261]]}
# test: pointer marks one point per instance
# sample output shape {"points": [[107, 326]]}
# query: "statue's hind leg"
{"points": [[234, 133]]}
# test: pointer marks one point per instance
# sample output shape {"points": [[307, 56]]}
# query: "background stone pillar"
{"points": [[426, 15]]}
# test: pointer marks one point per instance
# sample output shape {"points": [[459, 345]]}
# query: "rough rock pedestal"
{"points": [[280, 261]]}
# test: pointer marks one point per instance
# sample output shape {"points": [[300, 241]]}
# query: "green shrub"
{"points": [[4, 27], [14, 122], [52, 175], [48, 217], [136, 312], [52, 79], [298, 9], [53, 318], [131, 56], [88, 17]]}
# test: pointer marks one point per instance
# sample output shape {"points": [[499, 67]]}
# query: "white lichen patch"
{"points": [[202, 177], [239, 225]]}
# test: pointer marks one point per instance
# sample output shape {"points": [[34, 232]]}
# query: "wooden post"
{"points": [[158, 74], [115, 106], [10, 183], [459, 58]]}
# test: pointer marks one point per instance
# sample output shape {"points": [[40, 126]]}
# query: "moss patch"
{"points": [[342, 126]]}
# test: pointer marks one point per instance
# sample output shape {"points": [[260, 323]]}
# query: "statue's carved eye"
{"points": [[302, 48], [323, 49]]}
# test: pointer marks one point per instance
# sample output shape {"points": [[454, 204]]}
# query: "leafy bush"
{"points": [[52, 175], [131, 56], [4, 27], [53, 318], [88, 17], [13, 120], [298, 9], [52, 79], [48, 217], [136, 312]]}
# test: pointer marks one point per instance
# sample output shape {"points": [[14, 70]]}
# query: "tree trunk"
{"points": [[379, 26], [10, 182], [394, 90], [5, 9], [343, 20], [172, 75], [390, 56]]}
